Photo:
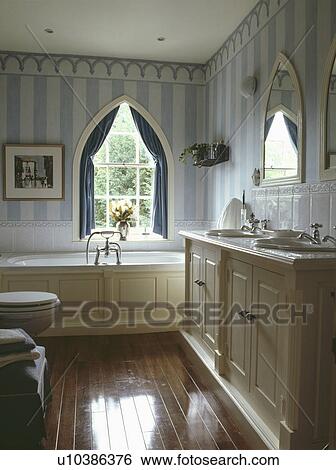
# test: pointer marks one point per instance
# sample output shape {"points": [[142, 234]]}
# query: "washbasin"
{"points": [[237, 233], [293, 244], [257, 234]]}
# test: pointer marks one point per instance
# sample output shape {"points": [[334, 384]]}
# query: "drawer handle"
{"points": [[247, 315], [201, 283], [197, 281]]}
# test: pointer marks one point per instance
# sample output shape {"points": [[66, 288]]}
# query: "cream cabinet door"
{"points": [[268, 352], [210, 286], [194, 314], [238, 326]]}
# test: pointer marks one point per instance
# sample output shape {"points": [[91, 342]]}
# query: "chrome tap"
{"points": [[264, 223], [116, 250], [254, 222], [316, 232], [315, 239], [329, 238], [108, 246]]}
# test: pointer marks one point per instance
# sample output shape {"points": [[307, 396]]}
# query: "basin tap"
{"points": [[308, 237], [329, 238], [253, 221], [264, 224], [316, 233]]}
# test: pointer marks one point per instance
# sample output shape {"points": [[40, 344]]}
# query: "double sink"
{"points": [[286, 240]]}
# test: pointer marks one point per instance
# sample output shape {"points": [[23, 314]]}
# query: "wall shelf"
{"points": [[219, 154]]}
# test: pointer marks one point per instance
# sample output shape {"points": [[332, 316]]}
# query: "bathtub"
{"points": [[155, 278], [146, 259]]}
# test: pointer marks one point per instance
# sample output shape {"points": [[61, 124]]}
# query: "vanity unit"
{"points": [[263, 321]]}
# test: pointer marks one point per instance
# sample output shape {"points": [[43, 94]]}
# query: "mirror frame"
{"points": [[282, 60], [326, 173]]}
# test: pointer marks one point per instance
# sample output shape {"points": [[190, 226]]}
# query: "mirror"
{"points": [[282, 127], [328, 118]]}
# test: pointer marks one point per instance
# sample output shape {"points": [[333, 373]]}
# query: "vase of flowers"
{"points": [[121, 213]]}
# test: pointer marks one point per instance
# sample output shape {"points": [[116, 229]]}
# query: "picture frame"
{"points": [[33, 172]]}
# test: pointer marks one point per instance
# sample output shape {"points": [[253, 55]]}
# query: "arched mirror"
{"points": [[328, 118], [282, 140]]}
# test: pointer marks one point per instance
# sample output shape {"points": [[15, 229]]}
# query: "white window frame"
{"points": [[138, 166], [78, 154]]}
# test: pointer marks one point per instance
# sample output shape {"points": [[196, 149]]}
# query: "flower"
{"points": [[121, 211]]}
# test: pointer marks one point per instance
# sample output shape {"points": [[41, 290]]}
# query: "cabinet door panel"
{"points": [[195, 292], [268, 292], [210, 297], [239, 329]]}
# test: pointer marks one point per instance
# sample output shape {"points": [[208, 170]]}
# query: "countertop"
{"points": [[245, 245]]}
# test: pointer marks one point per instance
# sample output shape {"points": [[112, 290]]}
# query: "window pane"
{"points": [[122, 149], [123, 121], [122, 181], [132, 221], [100, 180], [146, 181], [145, 157], [145, 212], [100, 212], [100, 156]]}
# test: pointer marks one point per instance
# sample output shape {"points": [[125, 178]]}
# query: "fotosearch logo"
{"points": [[93, 314]]}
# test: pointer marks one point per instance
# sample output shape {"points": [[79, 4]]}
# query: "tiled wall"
{"points": [[34, 236], [297, 206]]}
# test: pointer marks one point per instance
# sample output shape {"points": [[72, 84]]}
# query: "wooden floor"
{"points": [[132, 392]]}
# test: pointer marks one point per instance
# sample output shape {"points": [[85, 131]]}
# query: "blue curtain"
{"points": [[268, 125], [93, 144], [292, 131], [160, 193]]}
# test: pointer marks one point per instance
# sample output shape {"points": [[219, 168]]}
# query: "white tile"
{"points": [[272, 211], [320, 210], [44, 238], [285, 212], [301, 212], [24, 238], [6, 239], [63, 237]]}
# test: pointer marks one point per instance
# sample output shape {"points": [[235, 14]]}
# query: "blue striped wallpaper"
{"points": [[303, 29], [52, 109], [41, 106]]}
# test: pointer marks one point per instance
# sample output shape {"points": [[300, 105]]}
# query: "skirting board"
{"points": [[260, 437], [120, 329]]}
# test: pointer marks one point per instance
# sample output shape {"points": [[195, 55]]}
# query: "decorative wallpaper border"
{"points": [[59, 63], [178, 224], [304, 188], [248, 28]]}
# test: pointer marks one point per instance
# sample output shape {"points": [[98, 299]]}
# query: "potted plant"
{"points": [[198, 152], [121, 213]]}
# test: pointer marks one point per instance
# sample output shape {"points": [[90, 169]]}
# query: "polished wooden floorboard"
{"points": [[132, 392]]}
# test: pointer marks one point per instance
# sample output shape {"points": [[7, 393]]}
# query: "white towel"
{"points": [[18, 357], [230, 216], [11, 336]]}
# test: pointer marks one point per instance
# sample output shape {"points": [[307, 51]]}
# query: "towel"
{"points": [[230, 216], [27, 345], [24, 356], [11, 336]]}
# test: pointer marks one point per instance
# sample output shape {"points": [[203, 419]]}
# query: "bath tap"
{"points": [[116, 250], [108, 246]]}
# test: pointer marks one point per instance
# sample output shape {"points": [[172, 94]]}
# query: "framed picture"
{"points": [[33, 172]]}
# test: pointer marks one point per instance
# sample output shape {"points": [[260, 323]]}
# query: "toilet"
{"points": [[32, 311]]}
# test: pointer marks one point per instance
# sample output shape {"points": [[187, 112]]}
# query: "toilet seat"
{"points": [[32, 311], [24, 300]]}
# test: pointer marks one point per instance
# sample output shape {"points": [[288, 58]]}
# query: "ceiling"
{"points": [[194, 29]]}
